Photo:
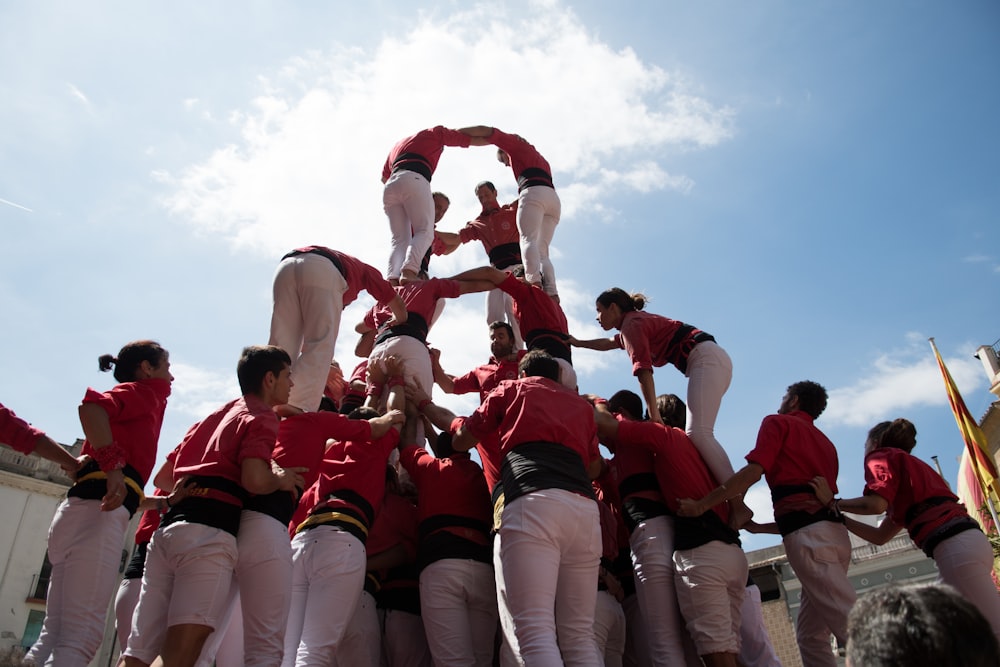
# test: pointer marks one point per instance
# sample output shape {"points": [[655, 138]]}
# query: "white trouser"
{"points": [[125, 601], [417, 369], [264, 573], [328, 572], [567, 374], [965, 561], [510, 654], [405, 642], [361, 645], [409, 205], [500, 308], [538, 211], [188, 580], [636, 635], [709, 372], [609, 629], [305, 320], [711, 580], [652, 544], [458, 605], [85, 549], [820, 554], [224, 647], [550, 554], [755, 643]]}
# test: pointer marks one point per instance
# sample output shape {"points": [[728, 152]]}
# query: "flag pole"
{"points": [[969, 430]]}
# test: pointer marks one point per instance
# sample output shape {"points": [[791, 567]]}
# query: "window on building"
{"points": [[32, 628], [768, 582], [40, 589]]}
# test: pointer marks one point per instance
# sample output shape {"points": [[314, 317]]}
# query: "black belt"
{"points": [[415, 326], [534, 176], [553, 342], [789, 523], [92, 484], [785, 490], [414, 162], [505, 255], [322, 253]]}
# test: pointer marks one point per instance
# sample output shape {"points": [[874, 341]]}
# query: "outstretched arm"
{"points": [[600, 344], [483, 273], [478, 134], [733, 487], [442, 379], [879, 534]]}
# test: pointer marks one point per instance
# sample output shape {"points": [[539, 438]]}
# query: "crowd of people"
{"points": [[324, 520]]}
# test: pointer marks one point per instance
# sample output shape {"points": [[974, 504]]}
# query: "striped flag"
{"points": [[976, 447]]}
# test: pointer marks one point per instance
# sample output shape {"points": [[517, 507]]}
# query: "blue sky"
{"points": [[812, 183]]}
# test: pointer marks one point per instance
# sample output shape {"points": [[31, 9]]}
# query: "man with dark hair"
{"points": [[193, 554], [709, 565], [541, 320], [790, 452], [550, 539], [651, 536], [924, 625], [496, 229]]}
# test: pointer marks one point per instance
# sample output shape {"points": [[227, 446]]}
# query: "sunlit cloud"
{"points": [[78, 94], [895, 381], [313, 140]]}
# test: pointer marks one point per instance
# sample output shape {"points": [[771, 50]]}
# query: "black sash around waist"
{"points": [[533, 466], [551, 341], [682, 348], [505, 255], [950, 529], [692, 532], [322, 252], [137, 564], [215, 502], [414, 162], [534, 176], [279, 505], [636, 509], [92, 484], [917, 509], [415, 326], [789, 523], [784, 490]]}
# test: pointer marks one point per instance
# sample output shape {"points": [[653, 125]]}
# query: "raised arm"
{"points": [[442, 379], [449, 242], [478, 134], [648, 387], [483, 273]]}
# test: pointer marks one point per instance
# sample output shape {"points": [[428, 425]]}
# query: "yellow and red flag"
{"points": [[980, 460]]}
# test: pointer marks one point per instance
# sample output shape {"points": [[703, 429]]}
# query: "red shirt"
{"points": [[493, 228], [135, 410], [680, 470], [533, 308], [428, 144], [453, 486], [792, 451], [485, 378], [302, 439], [905, 481], [653, 340], [244, 428], [522, 154], [359, 276], [632, 465], [421, 298], [17, 433], [395, 523], [536, 409], [358, 466]]}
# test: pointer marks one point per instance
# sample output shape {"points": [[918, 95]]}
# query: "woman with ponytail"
{"points": [[122, 427], [653, 340]]}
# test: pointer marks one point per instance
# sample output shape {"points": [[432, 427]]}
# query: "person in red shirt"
{"points": [[652, 340], [496, 229], [917, 498], [122, 427], [192, 555], [312, 285], [458, 601], [328, 550], [550, 536], [541, 320], [407, 197], [539, 207], [791, 452]]}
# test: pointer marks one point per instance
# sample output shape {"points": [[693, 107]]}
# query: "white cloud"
{"points": [[901, 379], [196, 392], [78, 94], [313, 141]]}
